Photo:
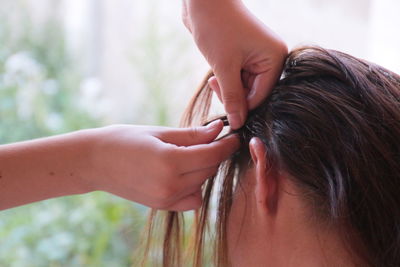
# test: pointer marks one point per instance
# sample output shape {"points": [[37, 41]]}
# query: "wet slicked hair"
{"points": [[333, 123]]}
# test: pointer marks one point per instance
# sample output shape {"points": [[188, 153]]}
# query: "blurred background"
{"points": [[72, 64]]}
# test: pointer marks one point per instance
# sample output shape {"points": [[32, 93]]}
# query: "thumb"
{"points": [[193, 136], [233, 96], [262, 86]]}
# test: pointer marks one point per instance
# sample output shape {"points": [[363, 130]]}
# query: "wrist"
{"points": [[100, 156], [205, 17], [87, 174], [46, 168], [204, 11]]}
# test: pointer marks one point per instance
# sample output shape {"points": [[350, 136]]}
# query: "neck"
{"points": [[306, 242], [314, 248]]}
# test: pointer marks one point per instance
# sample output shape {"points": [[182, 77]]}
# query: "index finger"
{"points": [[233, 96], [199, 157]]}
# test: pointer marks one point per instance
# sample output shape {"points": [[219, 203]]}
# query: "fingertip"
{"points": [[192, 136], [213, 83], [233, 135], [236, 120], [233, 96], [215, 126], [233, 140]]}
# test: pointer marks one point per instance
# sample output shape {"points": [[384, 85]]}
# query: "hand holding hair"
{"points": [[162, 168], [159, 167], [245, 55]]}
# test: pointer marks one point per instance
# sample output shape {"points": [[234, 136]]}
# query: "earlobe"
{"points": [[266, 182]]}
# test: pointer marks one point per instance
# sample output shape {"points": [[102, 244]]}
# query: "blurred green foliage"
{"points": [[39, 81], [39, 96], [160, 67], [89, 230]]}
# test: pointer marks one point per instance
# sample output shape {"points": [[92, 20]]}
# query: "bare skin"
{"points": [[159, 167], [271, 225], [245, 55]]}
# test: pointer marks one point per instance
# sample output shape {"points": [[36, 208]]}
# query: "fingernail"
{"points": [[234, 136], [213, 125], [250, 94], [235, 120]]}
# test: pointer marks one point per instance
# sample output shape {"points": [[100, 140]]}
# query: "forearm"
{"points": [[209, 10], [45, 168]]}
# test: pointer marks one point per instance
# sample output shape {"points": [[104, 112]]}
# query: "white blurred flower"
{"points": [[22, 252], [24, 102], [57, 246], [44, 217], [91, 99], [22, 71], [50, 87], [77, 216], [90, 88], [21, 68], [54, 121]]}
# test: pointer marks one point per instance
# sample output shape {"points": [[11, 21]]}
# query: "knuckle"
{"points": [[194, 133], [231, 98], [198, 204], [213, 171], [197, 201], [169, 164], [168, 157], [225, 65], [167, 188]]}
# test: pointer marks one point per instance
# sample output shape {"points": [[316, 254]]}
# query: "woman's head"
{"points": [[319, 166], [331, 129]]}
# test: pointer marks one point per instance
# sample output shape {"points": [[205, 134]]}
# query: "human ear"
{"points": [[266, 180]]}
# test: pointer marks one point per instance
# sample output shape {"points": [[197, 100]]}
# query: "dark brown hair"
{"points": [[333, 123]]}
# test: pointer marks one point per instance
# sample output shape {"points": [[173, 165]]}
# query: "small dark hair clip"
{"points": [[224, 119]]}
